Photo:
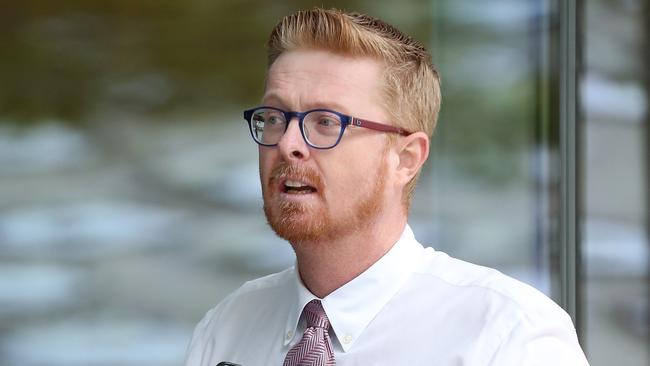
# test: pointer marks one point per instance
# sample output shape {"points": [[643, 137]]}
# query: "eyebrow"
{"points": [[276, 98], [272, 97]]}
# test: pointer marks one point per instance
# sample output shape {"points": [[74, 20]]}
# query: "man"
{"points": [[348, 109]]}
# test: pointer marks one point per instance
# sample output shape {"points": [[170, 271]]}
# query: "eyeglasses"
{"points": [[321, 128]]}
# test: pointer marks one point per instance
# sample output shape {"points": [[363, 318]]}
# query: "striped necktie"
{"points": [[315, 347]]}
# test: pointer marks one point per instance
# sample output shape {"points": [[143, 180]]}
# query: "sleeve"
{"points": [[541, 340]]}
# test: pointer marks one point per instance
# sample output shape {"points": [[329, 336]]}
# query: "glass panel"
{"points": [[488, 193], [615, 164]]}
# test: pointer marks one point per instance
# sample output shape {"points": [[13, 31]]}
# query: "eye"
{"points": [[275, 119], [328, 122]]}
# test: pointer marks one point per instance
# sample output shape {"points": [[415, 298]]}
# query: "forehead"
{"points": [[304, 79]]}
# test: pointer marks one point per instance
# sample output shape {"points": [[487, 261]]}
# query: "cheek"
{"points": [[351, 176]]}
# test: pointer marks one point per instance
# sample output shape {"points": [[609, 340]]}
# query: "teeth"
{"points": [[294, 184]]}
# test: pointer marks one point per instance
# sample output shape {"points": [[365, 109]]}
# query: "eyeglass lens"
{"points": [[320, 128]]}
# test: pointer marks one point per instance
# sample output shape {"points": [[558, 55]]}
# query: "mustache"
{"points": [[299, 172]]}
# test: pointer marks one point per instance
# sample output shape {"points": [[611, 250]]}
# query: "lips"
{"points": [[295, 180], [292, 186]]}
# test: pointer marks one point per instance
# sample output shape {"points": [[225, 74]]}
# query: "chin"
{"points": [[296, 226]]}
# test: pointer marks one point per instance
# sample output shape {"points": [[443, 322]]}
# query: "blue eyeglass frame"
{"points": [[345, 122]]}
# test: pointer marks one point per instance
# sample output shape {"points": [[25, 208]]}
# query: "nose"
{"points": [[292, 145]]}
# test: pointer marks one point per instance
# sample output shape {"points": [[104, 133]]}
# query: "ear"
{"points": [[413, 151]]}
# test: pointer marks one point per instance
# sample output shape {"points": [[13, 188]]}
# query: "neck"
{"points": [[326, 266]]}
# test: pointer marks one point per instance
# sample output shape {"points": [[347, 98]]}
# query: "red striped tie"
{"points": [[315, 347]]}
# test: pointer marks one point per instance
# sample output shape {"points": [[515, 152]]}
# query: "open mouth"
{"points": [[297, 187]]}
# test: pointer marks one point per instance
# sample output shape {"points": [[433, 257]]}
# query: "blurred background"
{"points": [[129, 198]]}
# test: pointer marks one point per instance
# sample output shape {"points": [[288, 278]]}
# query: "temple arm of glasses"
{"points": [[379, 126]]}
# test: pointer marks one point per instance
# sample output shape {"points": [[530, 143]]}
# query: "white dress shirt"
{"points": [[415, 306]]}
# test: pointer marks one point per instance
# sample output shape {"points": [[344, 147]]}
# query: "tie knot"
{"points": [[315, 315]]}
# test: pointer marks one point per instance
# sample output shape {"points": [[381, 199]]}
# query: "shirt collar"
{"points": [[352, 307]]}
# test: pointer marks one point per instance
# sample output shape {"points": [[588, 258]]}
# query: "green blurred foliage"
{"points": [[68, 59], [72, 60]]}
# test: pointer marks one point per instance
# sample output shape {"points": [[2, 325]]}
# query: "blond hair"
{"points": [[411, 82]]}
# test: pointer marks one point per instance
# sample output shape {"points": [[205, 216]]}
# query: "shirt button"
{"points": [[347, 339], [289, 334]]}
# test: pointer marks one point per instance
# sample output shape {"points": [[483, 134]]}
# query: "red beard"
{"points": [[298, 222]]}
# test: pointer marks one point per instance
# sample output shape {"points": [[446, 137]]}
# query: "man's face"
{"points": [[312, 194]]}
